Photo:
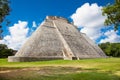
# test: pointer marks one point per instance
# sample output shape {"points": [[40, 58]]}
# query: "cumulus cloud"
{"points": [[89, 18], [111, 36], [18, 35]]}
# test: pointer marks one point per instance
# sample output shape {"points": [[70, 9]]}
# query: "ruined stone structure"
{"points": [[56, 38]]}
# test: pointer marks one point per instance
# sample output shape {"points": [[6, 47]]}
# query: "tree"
{"points": [[5, 52], [113, 14], [4, 11], [111, 49]]}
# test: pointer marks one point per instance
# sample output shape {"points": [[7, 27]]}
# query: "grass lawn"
{"points": [[87, 69]]}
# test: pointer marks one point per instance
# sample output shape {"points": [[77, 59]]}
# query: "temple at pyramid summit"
{"points": [[57, 38]]}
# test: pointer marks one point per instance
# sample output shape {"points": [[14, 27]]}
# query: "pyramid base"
{"points": [[29, 59]]}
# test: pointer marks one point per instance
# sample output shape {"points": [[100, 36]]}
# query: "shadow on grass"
{"points": [[57, 73]]}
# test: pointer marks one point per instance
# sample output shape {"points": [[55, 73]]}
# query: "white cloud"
{"points": [[18, 35], [93, 33], [34, 24], [111, 36], [90, 19]]}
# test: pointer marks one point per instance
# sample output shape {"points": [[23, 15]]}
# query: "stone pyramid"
{"points": [[56, 38]]}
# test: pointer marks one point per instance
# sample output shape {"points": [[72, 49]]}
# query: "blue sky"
{"points": [[26, 16]]}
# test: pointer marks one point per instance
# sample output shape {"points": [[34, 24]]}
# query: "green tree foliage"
{"points": [[113, 14], [4, 11], [111, 49], [4, 51]]}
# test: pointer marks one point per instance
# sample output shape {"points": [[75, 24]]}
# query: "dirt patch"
{"points": [[8, 74], [49, 70]]}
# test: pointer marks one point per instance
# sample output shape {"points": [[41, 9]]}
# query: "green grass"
{"points": [[86, 69]]}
